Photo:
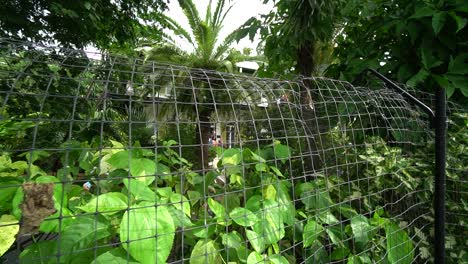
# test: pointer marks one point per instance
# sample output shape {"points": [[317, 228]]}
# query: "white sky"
{"points": [[239, 13]]}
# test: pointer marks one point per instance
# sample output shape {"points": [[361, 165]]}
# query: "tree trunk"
{"points": [[203, 131], [305, 64]]}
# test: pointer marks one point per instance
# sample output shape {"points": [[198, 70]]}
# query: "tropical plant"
{"points": [[251, 218], [105, 24], [209, 52], [420, 43], [297, 35]]}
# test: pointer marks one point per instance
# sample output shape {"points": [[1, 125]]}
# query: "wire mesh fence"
{"points": [[114, 159]]}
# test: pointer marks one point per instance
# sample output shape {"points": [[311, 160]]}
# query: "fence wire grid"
{"points": [[112, 159]]}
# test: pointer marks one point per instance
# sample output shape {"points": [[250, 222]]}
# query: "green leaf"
{"points": [[261, 167], [232, 239], [277, 259], [180, 219], [143, 169], [217, 208], [399, 246], [110, 203], [312, 231], [139, 190], [459, 65], [9, 227], [287, 206], [181, 203], [337, 236], [232, 156], [119, 160], [361, 230], [461, 21], [117, 256], [254, 258], [271, 224], [257, 241], [423, 12], [145, 229], [205, 251], [459, 82], [81, 234], [254, 203], [269, 193], [243, 217], [281, 152], [438, 21], [429, 61], [418, 78], [339, 253]]}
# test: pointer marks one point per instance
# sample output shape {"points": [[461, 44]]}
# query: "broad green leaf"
{"points": [[243, 217], [242, 253], [232, 156], [281, 152], [312, 231], [254, 258], [252, 155], [205, 251], [277, 259], [9, 227], [203, 231], [425, 11], [254, 203], [194, 197], [117, 256], [180, 219], [459, 65], [269, 193], [276, 171], [261, 167], [438, 21], [287, 206], [139, 190], [119, 160], [217, 208], [110, 203], [399, 246], [164, 191], [361, 230], [232, 240], [461, 21], [143, 169], [39, 252], [339, 253], [271, 224], [147, 233], [460, 82], [418, 78], [428, 59], [81, 234], [328, 218], [256, 240], [337, 236], [181, 203]]}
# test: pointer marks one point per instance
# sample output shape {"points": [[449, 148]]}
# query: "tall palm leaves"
{"points": [[203, 36]]}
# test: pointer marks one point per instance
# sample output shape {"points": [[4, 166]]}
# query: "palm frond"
{"points": [[218, 12], [191, 12], [175, 27]]}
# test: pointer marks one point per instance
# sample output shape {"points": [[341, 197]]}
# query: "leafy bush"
{"points": [[248, 210]]}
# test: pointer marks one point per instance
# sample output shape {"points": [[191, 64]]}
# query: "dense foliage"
{"points": [[120, 211], [103, 23], [420, 43]]}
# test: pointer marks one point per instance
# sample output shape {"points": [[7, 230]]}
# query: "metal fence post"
{"points": [[440, 124]]}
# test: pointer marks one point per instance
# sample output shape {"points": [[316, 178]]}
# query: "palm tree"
{"points": [[209, 53]]}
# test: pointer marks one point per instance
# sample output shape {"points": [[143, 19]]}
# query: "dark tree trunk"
{"points": [[203, 131], [305, 65]]}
